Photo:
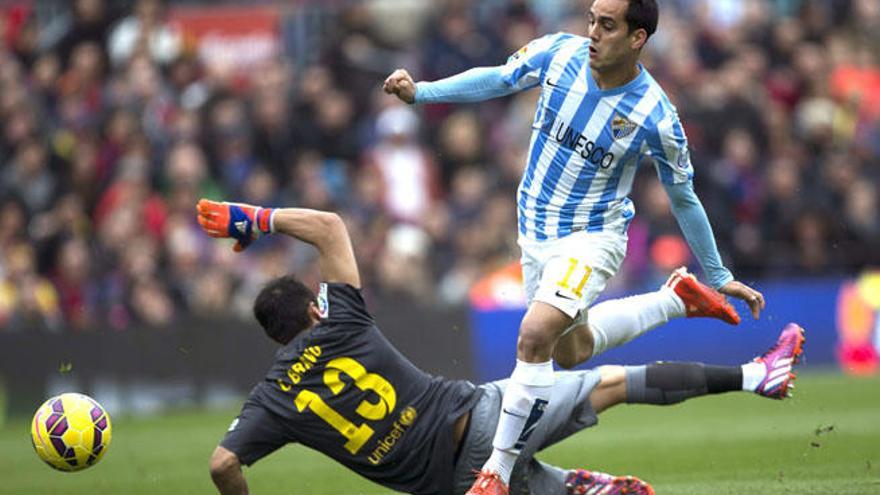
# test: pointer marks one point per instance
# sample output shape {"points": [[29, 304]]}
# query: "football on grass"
{"points": [[71, 432]]}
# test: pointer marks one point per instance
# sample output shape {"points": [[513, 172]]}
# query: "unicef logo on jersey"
{"points": [[323, 303]]}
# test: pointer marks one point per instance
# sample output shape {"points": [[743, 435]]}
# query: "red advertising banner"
{"points": [[230, 37]]}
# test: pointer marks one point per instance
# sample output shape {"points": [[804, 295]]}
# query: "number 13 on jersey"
{"points": [[357, 435]]}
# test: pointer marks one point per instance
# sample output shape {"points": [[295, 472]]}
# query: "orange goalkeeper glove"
{"points": [[242, 222]]}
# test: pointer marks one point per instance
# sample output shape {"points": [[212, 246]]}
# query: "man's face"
{"points": [[612, 43]]}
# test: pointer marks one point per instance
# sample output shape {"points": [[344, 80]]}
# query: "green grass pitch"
{"points": [[825, 441]]}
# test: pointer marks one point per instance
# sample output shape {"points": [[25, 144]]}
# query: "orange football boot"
{"points": [[488, 483], [699, 299]]}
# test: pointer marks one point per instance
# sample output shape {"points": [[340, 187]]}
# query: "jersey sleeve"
{"points": [[524, 68], [255, 433], [691, 217], [342, 303], [522, 71], [668, 146], [477, 84]]}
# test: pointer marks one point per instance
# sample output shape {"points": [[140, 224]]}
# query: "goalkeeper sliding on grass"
{"points": [[339, 387]]}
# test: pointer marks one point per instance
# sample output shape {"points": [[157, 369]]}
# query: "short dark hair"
{"points": [[282, 308], [642, 14]]}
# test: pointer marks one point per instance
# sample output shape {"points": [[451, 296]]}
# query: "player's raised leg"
{"points": [[578, 397], [615, 322], [770, 375]]}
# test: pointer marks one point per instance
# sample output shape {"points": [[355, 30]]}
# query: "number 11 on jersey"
{"points": [[566, 280]]}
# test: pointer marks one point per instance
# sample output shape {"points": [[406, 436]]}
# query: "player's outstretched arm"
{"points": [[477, 84], [324, 230], [523, 70], [327, 232], [668, 146], [691, 217]]}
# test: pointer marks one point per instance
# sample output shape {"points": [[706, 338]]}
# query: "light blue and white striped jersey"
{"points": [[586, 143]]}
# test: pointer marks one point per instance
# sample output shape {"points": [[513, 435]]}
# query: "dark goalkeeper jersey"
{"points": [[344, 390]]}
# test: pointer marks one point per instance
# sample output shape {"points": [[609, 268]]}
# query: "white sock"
{"points": [[501, 462], [529, 384], [753, 373], [616, 322]]}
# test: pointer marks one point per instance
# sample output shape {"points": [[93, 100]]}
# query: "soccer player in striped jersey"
{"points": [[599, 113]]}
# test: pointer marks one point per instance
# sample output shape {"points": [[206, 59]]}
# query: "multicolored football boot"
{"points": [[582, 482], [701, 300], [778, 362], [488, 483]]}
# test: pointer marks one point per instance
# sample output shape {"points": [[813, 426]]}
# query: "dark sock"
{"points": [[720, 379], [671, 383]]}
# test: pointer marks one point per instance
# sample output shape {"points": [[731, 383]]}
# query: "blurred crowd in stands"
{"points": [[111, 129]]}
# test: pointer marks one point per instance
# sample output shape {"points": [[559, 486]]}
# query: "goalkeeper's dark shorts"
{"points": [[569, 412]]}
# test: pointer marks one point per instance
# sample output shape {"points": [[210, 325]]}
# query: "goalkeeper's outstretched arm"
{"points": [[327, 232], [324, 230]]}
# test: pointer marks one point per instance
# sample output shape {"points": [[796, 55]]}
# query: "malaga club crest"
{"points": [[622, 127]]}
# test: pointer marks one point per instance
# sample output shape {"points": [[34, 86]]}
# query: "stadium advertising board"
{"points": [[230, 37]]}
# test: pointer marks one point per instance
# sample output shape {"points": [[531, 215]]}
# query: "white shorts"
{"points": [[570, 273]]}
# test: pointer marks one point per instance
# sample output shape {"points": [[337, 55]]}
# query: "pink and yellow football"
{"points": [[71, 432]]}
